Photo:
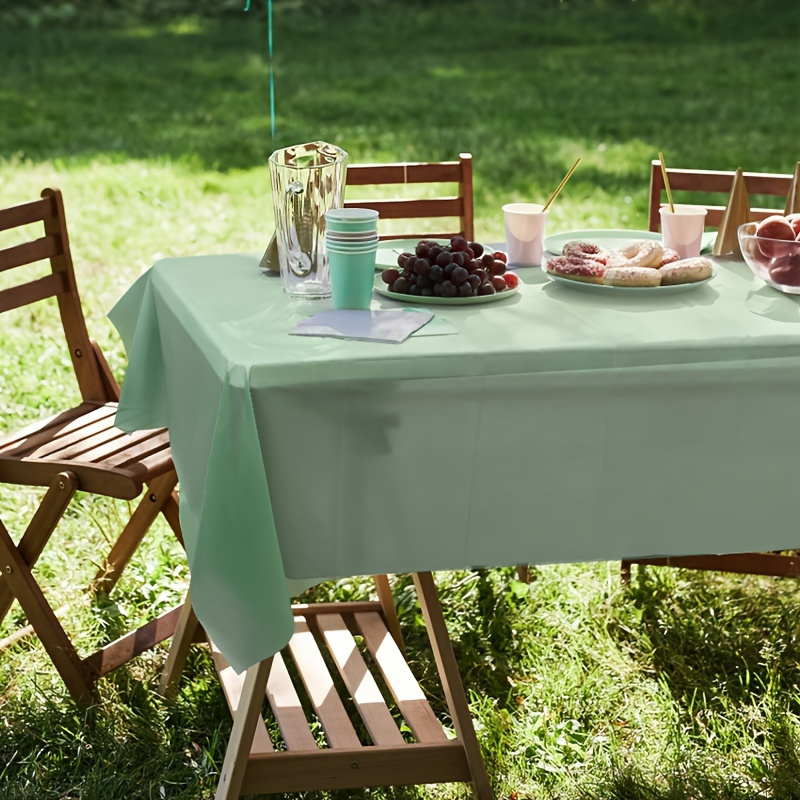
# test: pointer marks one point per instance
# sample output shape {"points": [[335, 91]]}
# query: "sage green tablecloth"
{"points": [[556, 426]]}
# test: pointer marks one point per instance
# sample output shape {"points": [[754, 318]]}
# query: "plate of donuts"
{"points": [[613, 239], [642, 265], [577, 282]]}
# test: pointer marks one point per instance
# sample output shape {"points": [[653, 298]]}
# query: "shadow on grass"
{"points": [[523, 81]]}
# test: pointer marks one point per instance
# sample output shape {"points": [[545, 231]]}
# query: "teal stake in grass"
{"points": [[271, 70]]}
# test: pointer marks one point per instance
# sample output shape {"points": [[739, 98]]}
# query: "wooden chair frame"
{"points": [[713, 182], [458, 172], [252, 763], [77, 449]]}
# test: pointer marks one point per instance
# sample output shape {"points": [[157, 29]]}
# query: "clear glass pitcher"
{"points": [[307, 180]]}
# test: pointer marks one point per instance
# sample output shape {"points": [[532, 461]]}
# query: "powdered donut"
{"points": [[689, 270], [647, 253], [576, 269], [632, 276], [586, 250], [668, 258]]}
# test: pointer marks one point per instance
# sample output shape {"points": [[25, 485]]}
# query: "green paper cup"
{"points": [[352, 275], [351, 219]]}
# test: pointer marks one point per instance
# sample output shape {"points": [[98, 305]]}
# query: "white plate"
{"points": [[601, 287], [612, 239]]}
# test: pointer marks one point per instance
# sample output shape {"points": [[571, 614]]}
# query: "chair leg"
{"points": [[78, 678], [451, 682], [170, 511], [389, 609], [40, 528], [158, 492], [244, 726], [182, 640]]}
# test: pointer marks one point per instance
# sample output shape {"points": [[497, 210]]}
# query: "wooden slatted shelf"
{"points": [[297, 762]]}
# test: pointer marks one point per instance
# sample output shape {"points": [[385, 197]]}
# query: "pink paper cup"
{"points": [[525, 227], [682, 229]]}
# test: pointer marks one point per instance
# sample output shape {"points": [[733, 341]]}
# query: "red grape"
{"points": [[444, 258], [500, 256], [511, 279], [476, 248], [389, 276], [400, 286], [449, 289], [486, 288], [498, 283], [498, 267], [459, 276]]}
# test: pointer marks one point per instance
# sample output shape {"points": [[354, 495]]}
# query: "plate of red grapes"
{"points": [[458, 273]]}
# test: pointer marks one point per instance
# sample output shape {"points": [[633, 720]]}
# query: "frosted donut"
{"points": [[647, 253], [617, 259], [586, 250], [689, 270], [632, 276], [576, 269], [669, 257]]}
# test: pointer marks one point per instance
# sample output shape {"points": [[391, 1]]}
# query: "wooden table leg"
{"points": [[182, 640], [244, 725], [451, 682]]}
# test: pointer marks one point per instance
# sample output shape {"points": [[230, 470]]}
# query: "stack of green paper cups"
{"points": [[351, 240]]}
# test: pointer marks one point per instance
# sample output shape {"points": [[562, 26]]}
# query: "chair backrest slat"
{"points": [[17, 296], [411, 173], [415, 209], [54, 246], [29, 252], [713, 182], [24, 214]]}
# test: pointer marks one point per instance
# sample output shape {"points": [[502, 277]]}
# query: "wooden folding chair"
{"points": [[701, 181], [402, 173], [355, 640], [78, 449], [709, 181]]}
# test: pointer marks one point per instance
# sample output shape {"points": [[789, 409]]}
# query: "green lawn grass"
{"points": [[682, 686]]}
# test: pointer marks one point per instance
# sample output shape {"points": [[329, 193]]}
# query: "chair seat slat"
{"points": [[61, 423]]}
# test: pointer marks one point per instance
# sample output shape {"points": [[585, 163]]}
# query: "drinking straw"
{"points": [[561, 185], [666, 182]]}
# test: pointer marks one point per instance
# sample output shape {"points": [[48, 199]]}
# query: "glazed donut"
{"points": [[632, 276], [689, 270], [576, 269], [586, 250], [669, 257], [645, 253]]}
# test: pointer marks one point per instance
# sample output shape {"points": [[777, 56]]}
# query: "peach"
{"points": [[785, 270], [794, 221], [775, 228]]}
